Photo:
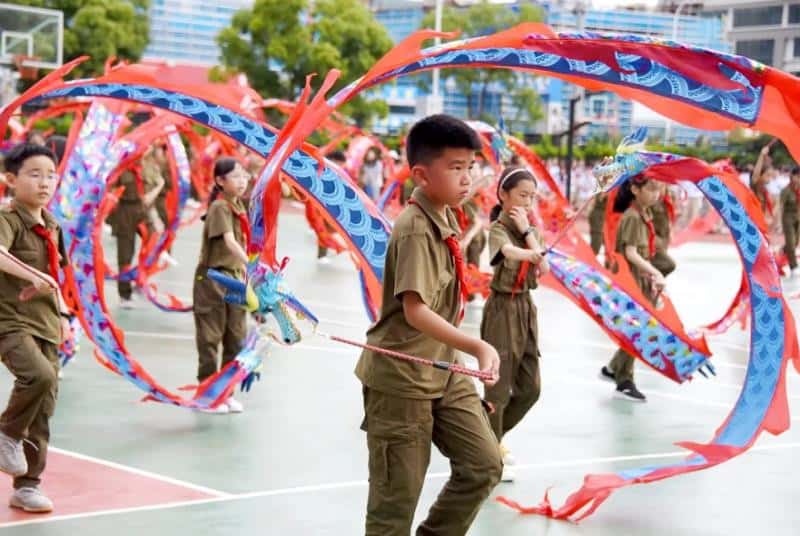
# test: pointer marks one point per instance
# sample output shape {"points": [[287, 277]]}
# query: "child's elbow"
{"points": [[412, 309]]}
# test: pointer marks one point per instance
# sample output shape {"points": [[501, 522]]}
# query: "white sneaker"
{"points": [[12, 456], [31, 500], [509, 474], [477, 303], [323, 261], [128, 304], [508, 458], [192, 203], [222, 409], [234, 406], [169, 259], [107, 229]]}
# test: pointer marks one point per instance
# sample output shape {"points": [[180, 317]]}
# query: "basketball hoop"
{"points": [[26, 72]]}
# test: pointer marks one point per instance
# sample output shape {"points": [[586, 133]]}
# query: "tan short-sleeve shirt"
{"points": [[501, 232], [417, 260], [220, 219], [40, 315]]}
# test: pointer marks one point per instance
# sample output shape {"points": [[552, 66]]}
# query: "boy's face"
{"points": [[446, 179], [35, 183]]}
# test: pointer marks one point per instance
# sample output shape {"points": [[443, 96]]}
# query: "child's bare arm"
{"points": [[515, 253], [471, 233], [13, 266], [422, 318], [634, 258], [235, 247], [150, 197], [759, 166]]}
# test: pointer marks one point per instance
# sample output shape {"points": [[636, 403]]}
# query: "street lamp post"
{"points": [[579, 10], [437, 42]]}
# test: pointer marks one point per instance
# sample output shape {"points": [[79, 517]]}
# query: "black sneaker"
{"points": [[628, 391], [607, 374]]}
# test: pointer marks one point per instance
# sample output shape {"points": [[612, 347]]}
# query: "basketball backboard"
{"points": [[32, 33]]}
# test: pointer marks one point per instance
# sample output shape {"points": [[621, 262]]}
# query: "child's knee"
{"points": [[44, 378], [494, 469]]}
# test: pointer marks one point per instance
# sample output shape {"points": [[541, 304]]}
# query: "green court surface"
{"points": [[295, 461]]}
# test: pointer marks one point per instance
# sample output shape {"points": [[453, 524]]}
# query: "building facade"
{"points": [[606, 113], [762, 30], [185, 31]]}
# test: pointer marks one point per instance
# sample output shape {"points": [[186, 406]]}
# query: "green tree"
{"points": [[547, 149], [484, 19], [100, 29], [277, 43], [527, 104]]}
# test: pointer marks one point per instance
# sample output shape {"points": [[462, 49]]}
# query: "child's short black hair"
{"points": [[337, 156], [432, 135], [625, 195], [17, 156]]}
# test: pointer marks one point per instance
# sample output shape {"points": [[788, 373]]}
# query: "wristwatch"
{"points": [[528, 231]]}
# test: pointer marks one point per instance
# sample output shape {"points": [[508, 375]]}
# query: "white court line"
{"points": [[567, 379], [356, 484], [140, 472], [577, 342]]}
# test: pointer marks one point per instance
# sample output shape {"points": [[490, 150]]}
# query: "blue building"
{"points": [[607, 113], [185, 31]]}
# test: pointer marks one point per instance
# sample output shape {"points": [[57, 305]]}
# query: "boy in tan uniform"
{"points": [[33, 320], [142, 187], [408, 407], [790, 223]]}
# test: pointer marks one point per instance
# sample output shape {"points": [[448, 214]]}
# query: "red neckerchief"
{"points": [[651, 233], [244, 224], [458, 260], [767, 201], [522, 273], [670, 206], [136, 169], [52, 249], [463, 221]]}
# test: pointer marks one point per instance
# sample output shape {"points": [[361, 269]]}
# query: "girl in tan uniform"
{"points": [[225, 236], [636, 245], [509, 316]]}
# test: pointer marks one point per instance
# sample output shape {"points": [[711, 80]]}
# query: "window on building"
{"points": [[796, 51], [758, 16], [405, 110], [794, 14], [760, 50], [598, 107]]}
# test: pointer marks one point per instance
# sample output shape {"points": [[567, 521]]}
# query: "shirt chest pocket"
{"points": [[31, 256], [441, 294], [508, 274]]}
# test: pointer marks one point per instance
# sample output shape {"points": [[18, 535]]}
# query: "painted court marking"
{"points": [[139, 472], [295, 490]]}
